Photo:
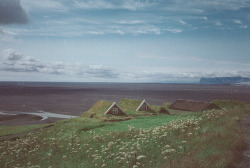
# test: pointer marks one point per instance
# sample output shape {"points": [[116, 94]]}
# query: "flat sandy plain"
{"points": [[75, 98]]}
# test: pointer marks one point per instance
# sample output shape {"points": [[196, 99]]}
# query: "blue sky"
{"points": [[123, 41]]}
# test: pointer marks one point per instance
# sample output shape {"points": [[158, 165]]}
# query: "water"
{"points": [[75, 98], [44, 115]]}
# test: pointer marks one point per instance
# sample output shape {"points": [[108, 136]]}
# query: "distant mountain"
{"points": [[224, 80]]}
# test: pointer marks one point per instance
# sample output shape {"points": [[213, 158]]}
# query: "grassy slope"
{"points": [[9, 130], [208, 139], [146, 122]]}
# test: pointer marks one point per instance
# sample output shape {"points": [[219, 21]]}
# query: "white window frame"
{"points": [[115, 110]]}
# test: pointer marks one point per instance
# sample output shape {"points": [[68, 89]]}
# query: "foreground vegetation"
{"points": [[208, 139], [10, 130]]}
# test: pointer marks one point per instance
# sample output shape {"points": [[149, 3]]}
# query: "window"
{"points": [[115, 110]]}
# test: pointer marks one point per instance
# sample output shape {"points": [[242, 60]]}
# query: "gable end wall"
{"points": [[119, 111], [148, 108]]}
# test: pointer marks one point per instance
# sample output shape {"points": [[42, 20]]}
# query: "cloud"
{"points": [[244, 26], [119, 4], [98, 71], [66, 5], [131, 22], [237, 21], [124, 30], [218, 5], [136, 4], [114, 17], [94, 4], [12, 61], [15, 62], [95, 32], [6, 36], [192, 6], [82, 27], [11, 55], [150, 56], [204, 18], [182, 22], [11, 12], [37, 5], [7, 32], [217, 23], [183, 76], [174, 30]]}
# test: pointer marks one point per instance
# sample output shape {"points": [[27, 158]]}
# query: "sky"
{"points": [[123, 40]]}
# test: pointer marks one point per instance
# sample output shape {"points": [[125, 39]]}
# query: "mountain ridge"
{"points": [[224, 80]]}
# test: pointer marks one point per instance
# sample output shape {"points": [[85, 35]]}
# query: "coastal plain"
{"points": [[76, 98]]}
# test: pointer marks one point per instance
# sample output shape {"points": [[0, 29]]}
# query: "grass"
{"points": [[75, 126], [10, 130], [160, 109], [230, 104], [145, 122], [166, 105], [129, 104], [202, 140], [99, 108]]}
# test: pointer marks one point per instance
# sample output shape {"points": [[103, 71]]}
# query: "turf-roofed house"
{"points": [[115, 109], [102, 108], [191, 105], [134, 105], [144, 106], [126, 107]]}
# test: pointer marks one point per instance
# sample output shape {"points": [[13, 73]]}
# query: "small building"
{"points": [[191, 105], [134, 105], [144, 106], [102, 107], [115, 109]]}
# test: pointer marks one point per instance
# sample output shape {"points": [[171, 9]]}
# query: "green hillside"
{"points": [[185, 140]]}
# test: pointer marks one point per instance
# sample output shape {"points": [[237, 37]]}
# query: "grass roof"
{"points": [[155, 107], [100, 107], [159, 109], [129, 104], [191, 105]]}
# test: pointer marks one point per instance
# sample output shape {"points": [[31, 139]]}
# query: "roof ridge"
{"points": [[113, 106], [144, 101]]}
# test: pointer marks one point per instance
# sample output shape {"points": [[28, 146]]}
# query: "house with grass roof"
{"points": [[191, 105], [102, 107], [144, 106], [126, 107], [134, 105], [115, 109]]}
